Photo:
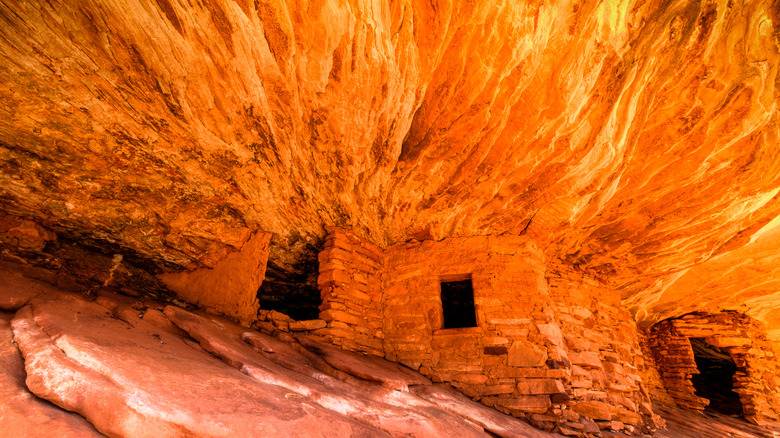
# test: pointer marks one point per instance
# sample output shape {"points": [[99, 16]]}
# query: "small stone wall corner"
{"points": [[349, 287]]}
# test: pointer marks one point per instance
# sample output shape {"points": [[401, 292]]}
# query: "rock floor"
{"points": [[75, 366], [685, 424], [137, 369]]}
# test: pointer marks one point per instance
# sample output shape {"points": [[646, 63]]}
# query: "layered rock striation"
{"points": [[635, 139], [590, 168]]}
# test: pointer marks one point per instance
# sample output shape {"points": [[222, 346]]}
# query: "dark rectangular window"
{"points": [[457, 302]]}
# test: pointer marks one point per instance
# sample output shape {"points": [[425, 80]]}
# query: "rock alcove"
{"points": [[715, 380], [280, 191]]}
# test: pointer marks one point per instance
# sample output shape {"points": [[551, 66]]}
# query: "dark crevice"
{"points": [[292, 288], [716, 379], [296, 300]]}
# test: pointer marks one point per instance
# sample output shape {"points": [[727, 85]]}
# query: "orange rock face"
{"points": [[231, 286], [635, 139]]}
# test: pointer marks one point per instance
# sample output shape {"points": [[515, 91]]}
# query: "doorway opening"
{"points": [[457, 302], [290, 286], [716, 379]]}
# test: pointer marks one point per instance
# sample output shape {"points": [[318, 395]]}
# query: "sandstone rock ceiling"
{"points": [[635, 139]]}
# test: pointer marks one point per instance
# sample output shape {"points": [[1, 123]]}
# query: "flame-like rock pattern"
{"points": [[633, 138]]}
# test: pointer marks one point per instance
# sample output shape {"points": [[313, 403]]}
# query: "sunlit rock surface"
{"points": [[131, 375], [21, 413], [746, 279], [230, 286], [634, 139]]}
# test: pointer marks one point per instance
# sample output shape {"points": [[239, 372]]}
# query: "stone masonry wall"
{"points": [[515, 359], [349, 286], [601, 339], [566, 357], [675, 361], [758, 373], [651, 376]]}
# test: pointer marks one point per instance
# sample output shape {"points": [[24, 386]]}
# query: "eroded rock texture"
{"points": [[633, 138], [21, 413], [229, 287], [131, 375]]}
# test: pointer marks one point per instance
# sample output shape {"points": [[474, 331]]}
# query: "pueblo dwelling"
{"points": [[371, 218]]}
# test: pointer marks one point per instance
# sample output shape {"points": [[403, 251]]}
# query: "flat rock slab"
{"points": [[686, 424], [16, 289], [279, 363], [140, 381], [224, 339], [21, 413], [490, 419], [389, 374]]}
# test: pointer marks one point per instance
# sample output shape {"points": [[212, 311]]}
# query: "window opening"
{"points": [[716, 379], [457, 302]]}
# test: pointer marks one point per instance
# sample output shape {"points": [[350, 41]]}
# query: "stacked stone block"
{"points": [[651, 376], [756, 379], [515, 360], [600, 337], [565, 357], [675, 360], [349, 286]]}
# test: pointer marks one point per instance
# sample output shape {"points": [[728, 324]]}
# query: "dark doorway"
{"points": [[290, 284], [457, 302], [716, 381], [298, 300]]}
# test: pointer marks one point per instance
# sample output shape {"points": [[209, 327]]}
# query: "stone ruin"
{"points": [[492, 317], [755, 373], [390, 218], [551, 344]]}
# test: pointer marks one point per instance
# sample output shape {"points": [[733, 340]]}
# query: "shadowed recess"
{"points": [[292, 289], [716, 379], [457, 301]]}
